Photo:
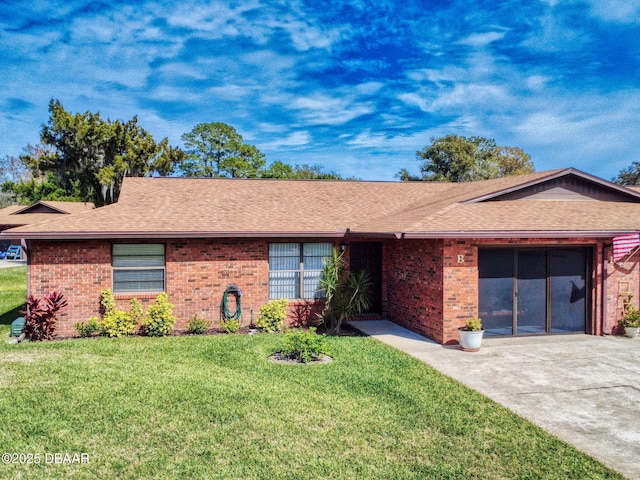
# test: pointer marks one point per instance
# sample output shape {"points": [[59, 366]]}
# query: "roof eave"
{"points": [[173, 234], [518, 234]]}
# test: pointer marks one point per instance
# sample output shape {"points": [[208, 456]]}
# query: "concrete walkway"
{"points": [[12, 263], [581, 388]]}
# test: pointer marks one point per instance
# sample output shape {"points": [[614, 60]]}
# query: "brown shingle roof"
{"points": [[188, 207], [39, 212]]}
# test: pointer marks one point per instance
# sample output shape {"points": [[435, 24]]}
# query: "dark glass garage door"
{"points": [[533, 291]]}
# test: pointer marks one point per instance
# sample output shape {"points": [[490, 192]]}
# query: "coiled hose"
{"points": [[225, 313]]}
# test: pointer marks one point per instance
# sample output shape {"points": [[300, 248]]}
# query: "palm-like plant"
{"points": [[347, 293]]}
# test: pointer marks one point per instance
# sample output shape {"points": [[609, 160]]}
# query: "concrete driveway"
{"points": [[581, 388]]}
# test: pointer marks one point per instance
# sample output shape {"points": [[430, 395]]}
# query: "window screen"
{"points": [[295, 269], [138, 267]]}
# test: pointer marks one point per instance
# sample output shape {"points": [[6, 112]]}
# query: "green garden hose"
{"points": [[225, 313]]}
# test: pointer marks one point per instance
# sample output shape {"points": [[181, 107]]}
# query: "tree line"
{"points": [[83, 157]]}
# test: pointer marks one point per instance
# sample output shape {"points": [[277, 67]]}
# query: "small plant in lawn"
{"points": [[159, 320], [197, 325], [41, 315], [89, 328], [230, 326], [272, 315], [303, 345], [115, 323]]}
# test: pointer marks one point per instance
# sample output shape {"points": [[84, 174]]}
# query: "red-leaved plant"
{"points": [[41, 315]]}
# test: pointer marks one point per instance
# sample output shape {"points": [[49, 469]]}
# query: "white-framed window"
{"points": [[138, 267], [295, 269]]}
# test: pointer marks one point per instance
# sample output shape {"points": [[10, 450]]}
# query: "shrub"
{"points": [[347, 293], [41, 315], [230, 326], [137, 312], [159, 320], [198, 325], [115, 323], [304, 345], [89, 328], [272, 315]]}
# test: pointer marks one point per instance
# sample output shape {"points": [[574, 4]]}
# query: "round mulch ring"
{"points": [[278, 358]]}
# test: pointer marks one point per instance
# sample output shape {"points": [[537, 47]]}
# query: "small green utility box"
{"points": [[17, 326]]}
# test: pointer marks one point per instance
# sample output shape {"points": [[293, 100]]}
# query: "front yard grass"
{"points": [[13, 295], [216, 407]]}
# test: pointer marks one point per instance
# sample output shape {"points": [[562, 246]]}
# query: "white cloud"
{"points": [[479, 40], [299, 138], [620, 11], [321, 109]]}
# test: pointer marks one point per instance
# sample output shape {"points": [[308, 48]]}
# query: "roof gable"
{"points": [[39, 207], [57, 207], [569, 184]]}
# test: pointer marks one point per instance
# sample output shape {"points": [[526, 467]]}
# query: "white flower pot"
{"points": [[470, 341], [631, 331]]}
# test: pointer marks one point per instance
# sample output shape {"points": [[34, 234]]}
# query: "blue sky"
{"points": [[356, 86]]}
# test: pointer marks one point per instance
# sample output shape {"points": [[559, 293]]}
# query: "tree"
{"points": [[86, 157], [279, 169], [218, 150], [314, 172], [12, 170], [454, 158], [404, 176], [629, 175]]}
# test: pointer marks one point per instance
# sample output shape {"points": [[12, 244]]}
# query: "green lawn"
{"points": [[216, 407], [13, 295]]}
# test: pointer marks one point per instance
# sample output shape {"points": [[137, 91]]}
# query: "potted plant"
{"points": [[631, 321], [471, 334]]}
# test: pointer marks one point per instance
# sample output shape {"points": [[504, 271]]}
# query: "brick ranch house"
{"points": [[529, 254]]}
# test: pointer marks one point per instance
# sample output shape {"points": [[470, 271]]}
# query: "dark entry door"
{"points": [[529, 291], [367, 256]]}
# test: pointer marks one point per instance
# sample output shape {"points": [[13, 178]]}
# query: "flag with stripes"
{"points": [[624, 244]]}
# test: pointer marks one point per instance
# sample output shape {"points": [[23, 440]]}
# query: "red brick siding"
{"points": [[197, 273], [620, 277], [460, 287], [80, 270], [412, 271], [424, 286], [431, 293]]}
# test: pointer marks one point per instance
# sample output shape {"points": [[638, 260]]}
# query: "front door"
{"points": [[533, 290], [367, 256]]}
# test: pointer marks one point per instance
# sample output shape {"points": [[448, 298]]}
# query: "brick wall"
{"points": [[429, 286], [621, 280], [80, 270], [432, 285], [460, 285], [412, 271], [197, 273]]}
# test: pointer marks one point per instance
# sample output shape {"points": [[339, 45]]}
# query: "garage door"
{"points": [[533, 290]]}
